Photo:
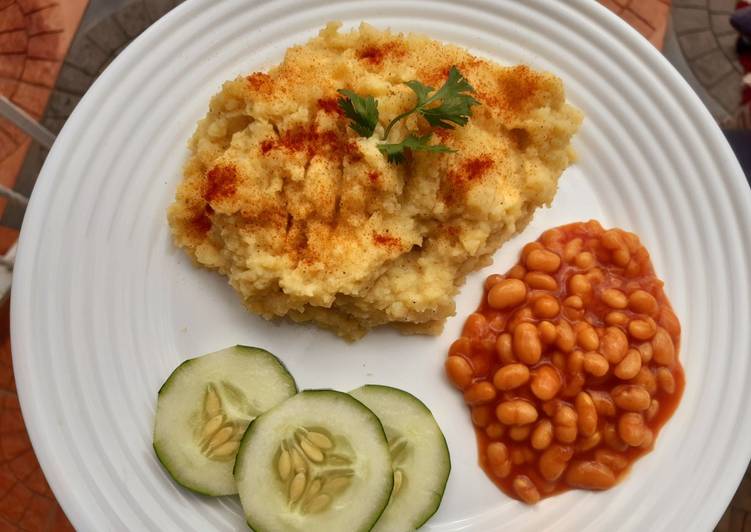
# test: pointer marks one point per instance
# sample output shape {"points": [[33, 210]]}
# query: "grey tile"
{"points": [[134, 18], [721, 24], [61, 104], [54, 124], [108, 35], [727, 45], [698, 43], [690, 19], [86, 55], [727, 91], [726, 6], [710, 68], [158, 8], [72, 79], [690, 3]]}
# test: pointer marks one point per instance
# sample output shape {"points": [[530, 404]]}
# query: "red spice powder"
{"points": [[221, 182], [260, 82], [373, 175], [266, 146], [386, 240], [330, 105]]}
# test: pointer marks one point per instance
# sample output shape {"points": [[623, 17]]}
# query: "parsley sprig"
{"points": [[446, 107]]}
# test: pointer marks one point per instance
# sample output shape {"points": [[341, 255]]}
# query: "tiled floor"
{"points": [[34, 35]]}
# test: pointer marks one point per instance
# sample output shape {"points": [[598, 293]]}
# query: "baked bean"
{"points": [[579, 285], [517, 456], [646, 351], [646, 379], [525, 489], [565, 424], [475, 326], [651, 412], [504, 350], [631, 429], [511, 376], [551, 238], [631, 397], [519, 432], [559, 360], [517, 272], [526, 343], [642, 329], [611, 239], [492, 280], [574, 302], [587, 338], [586, 414], [595, 364], [648, 440], [495, 431], [498, 459], [554, 460], [516, 412], [590, 442], [542, 435], [543, 260], [572, 249], [547, 332], [566, 339], [666, 380], [589, 475], [530, 456], [595, 275], [482, 415], [523, 315], [664, 349], [529, 248], [574, 384], [551, 407], [612, 439], [633, 269], [629, 367], [614, 345], [545, 382], [546, 307], [508, 293], [642, 302], [615, 461], [584, 260], [541, 281], [616, 318], [669, 321], [621, 257], [479, 393], [604, 404], [614, 298], [459, 372], [461, 347], [575, 363]]}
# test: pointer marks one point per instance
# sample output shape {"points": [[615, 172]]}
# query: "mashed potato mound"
{"points": [[309, 220]]}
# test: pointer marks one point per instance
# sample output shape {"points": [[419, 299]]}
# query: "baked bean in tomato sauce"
{"points": [[570, 365]]}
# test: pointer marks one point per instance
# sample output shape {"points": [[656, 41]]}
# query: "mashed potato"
{"points": [[308, 220]]}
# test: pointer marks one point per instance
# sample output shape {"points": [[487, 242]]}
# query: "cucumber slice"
{"points": [[317, 462], [205, 406], [419, 454]]}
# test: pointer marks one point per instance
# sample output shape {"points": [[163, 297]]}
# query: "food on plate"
{"points": [[293, 193], [204, 408], [570, 364], [419, 454], [319, 461], [233, 422]]}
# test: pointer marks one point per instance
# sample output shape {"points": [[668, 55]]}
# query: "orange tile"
{"points": [[13, 42], [37, 514], [7, 146], [10, 167], [9, 128], [14, 503], [37, 483], [8, 236], [31, 98], [11, 65], [650, 11], [35, 5], [13, 445], [11, 18], [60, 523], [7, 481], [46, 20], [612, 5], [637, 23], [41, 72], [8, 87], [47, 46]]}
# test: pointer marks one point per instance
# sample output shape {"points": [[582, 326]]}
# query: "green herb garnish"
{"points": [[395, 153], [361, 110], [454, 107]]}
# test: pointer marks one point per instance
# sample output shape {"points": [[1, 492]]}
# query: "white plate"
{"points": [[104, 307]]}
